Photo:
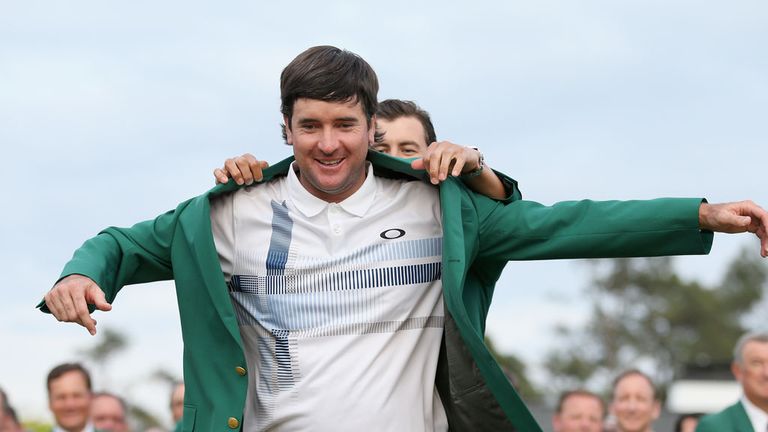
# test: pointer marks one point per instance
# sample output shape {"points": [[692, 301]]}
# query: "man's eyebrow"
{"points": [[409, 142], [347, 119]]}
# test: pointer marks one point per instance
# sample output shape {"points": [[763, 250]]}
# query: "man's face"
{"points": [[107, 414], [634, 405], [404, 137], [580, 413], [689, 424], [753, 372], [330, 142], [70, 401]]}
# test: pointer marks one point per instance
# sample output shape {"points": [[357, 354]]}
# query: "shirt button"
{"points": [[233, 423], [337, 229], [240, 371]]}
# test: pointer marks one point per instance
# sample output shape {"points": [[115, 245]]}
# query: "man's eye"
{"points": [[380, 149], [409, 151]]}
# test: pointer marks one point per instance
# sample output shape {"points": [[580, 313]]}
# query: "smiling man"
{"points": [[579, 411], [405, 130], [634, 403], [69, 397], [346, 291]]}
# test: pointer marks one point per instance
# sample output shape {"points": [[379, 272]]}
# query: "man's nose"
{"points": [[328, 141]]}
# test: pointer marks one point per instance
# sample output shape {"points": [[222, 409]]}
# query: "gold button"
{"points": [[233, 423], [240, 371]]}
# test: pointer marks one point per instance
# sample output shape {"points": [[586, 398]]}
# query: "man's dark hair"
{"points": [[393, 109], [630, 372], [328, 74], [62, 369], [564, 396]]}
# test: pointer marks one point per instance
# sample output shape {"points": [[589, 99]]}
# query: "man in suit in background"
{"points": [[109, 412], [579, 411], [69, 397], [634, 403], [750, 367]]}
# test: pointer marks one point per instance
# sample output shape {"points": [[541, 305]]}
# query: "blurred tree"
{"points": [[514, 368], [108, 343], [643, 313]]}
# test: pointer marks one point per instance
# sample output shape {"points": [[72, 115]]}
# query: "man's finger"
{"points": [[445, 165], [220, 176], [82, 316], [231, 168], [245, 168], [97, 298], [255, 167], [417, 164], [433, 166], [54, 305]]}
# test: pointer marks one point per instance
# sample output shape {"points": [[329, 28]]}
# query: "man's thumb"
{"points": [[98, 299]]}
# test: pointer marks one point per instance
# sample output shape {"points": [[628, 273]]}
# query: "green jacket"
{"points": [[479, 236], [732, 419]]}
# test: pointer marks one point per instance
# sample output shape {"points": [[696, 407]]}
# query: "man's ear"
{"points": [[372, 131], [736, 370], [287, 129]]}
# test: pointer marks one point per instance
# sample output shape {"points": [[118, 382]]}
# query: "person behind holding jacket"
{"points": [[750, 367], [345, 291]]}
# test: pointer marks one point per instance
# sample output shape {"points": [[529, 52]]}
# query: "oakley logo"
{"points": [[392, 233]]}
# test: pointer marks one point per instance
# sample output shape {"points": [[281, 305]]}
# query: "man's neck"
{"points": [[759, 404]]}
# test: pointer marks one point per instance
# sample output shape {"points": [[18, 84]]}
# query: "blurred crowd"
{"points": [[77, 408], [633, 405]]}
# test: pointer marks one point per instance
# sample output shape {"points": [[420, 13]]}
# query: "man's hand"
{"points": [[737, 217], [68, 301], [446, 158], [244, 169]]}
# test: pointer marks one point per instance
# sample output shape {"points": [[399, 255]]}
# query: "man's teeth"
{"points": [[330, 162]]}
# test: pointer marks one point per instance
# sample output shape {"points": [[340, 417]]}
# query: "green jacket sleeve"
{"points": [[526, 230], [123, 256]]}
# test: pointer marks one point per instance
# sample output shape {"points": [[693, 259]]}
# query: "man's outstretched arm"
{"points": [[105, 263]]}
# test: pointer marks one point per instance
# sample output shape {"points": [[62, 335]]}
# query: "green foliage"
{"points": [[109, 343], [143, 419], [37, 426], [514, 368], [644, 313]]}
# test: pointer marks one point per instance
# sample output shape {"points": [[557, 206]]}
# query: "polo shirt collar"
{"points": [[757, 417], [356, 204]]}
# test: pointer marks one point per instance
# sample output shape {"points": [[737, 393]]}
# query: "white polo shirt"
{"points": [[757, 416], [340, 306]]}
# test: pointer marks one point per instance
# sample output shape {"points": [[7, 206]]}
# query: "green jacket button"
{"points": [[240, 370], [233, 423]]}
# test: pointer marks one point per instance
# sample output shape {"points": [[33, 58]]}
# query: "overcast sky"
{"points": [[113, 112]]}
